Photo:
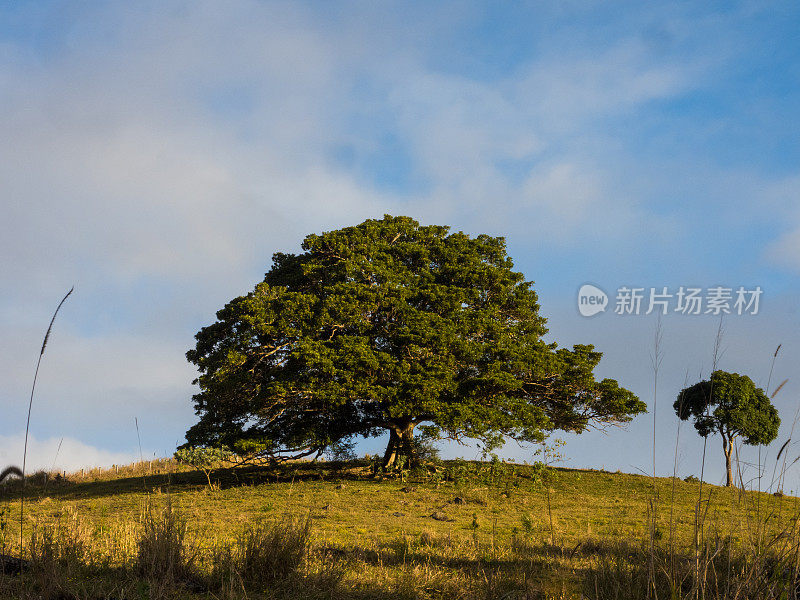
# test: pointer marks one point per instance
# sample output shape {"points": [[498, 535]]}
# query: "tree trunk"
{"points": [[401, 438], [407, 444], [727, 448], [391, 449]]}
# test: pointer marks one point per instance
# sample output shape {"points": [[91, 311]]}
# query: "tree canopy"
{"points": [[731, 405], [384, 326]]}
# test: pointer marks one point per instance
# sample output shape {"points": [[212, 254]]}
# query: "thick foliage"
{"points": [[732, 405], [383, 326]]}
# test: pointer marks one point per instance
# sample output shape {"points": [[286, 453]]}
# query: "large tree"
{"points": [[383, 326], [731, 405]]}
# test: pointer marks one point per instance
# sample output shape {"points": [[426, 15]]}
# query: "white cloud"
{"points": [[65, 454], [119, 159], [96, 388], [99, 365], [114, 160], [569, 196]]}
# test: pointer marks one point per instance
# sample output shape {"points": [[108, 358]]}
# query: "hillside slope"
{"points": [[464, 529]]}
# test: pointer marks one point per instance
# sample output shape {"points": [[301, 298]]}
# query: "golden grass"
{"points": [[377, 538]]}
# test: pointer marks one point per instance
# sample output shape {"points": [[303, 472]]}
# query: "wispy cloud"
{"points": [[781, 198], [785, 250]]}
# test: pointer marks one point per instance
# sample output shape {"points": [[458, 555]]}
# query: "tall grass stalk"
{"points": [[700, 514], [655, 359], [782, 476], [28, 422], [141, 456], [674, 480], [769, 381]]}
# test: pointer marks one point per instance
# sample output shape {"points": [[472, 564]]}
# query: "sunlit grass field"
{"points": [[456, 530]]}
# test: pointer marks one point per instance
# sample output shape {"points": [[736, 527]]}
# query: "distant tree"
{"points": [[383, 326], [731, 405]]}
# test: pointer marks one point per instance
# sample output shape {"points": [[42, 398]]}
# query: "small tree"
{"points": [[731, 405], [205, 459]]}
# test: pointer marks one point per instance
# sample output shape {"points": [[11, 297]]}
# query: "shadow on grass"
{"points": [[398, 552], [71, 488]]}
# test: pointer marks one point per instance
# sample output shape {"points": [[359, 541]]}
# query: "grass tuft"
{"points": [[264, 553], [164, 555]]}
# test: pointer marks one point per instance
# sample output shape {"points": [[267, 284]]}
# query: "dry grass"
{"points": [[264, 553], [323, 531], [165, 557]]}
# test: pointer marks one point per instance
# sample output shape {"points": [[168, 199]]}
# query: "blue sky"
{"points": [[156, 154]]}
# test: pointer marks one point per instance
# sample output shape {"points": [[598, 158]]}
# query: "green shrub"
{"points": [[205, 459]]}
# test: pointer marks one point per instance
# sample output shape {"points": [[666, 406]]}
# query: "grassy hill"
{"points": [[336, 530]]}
